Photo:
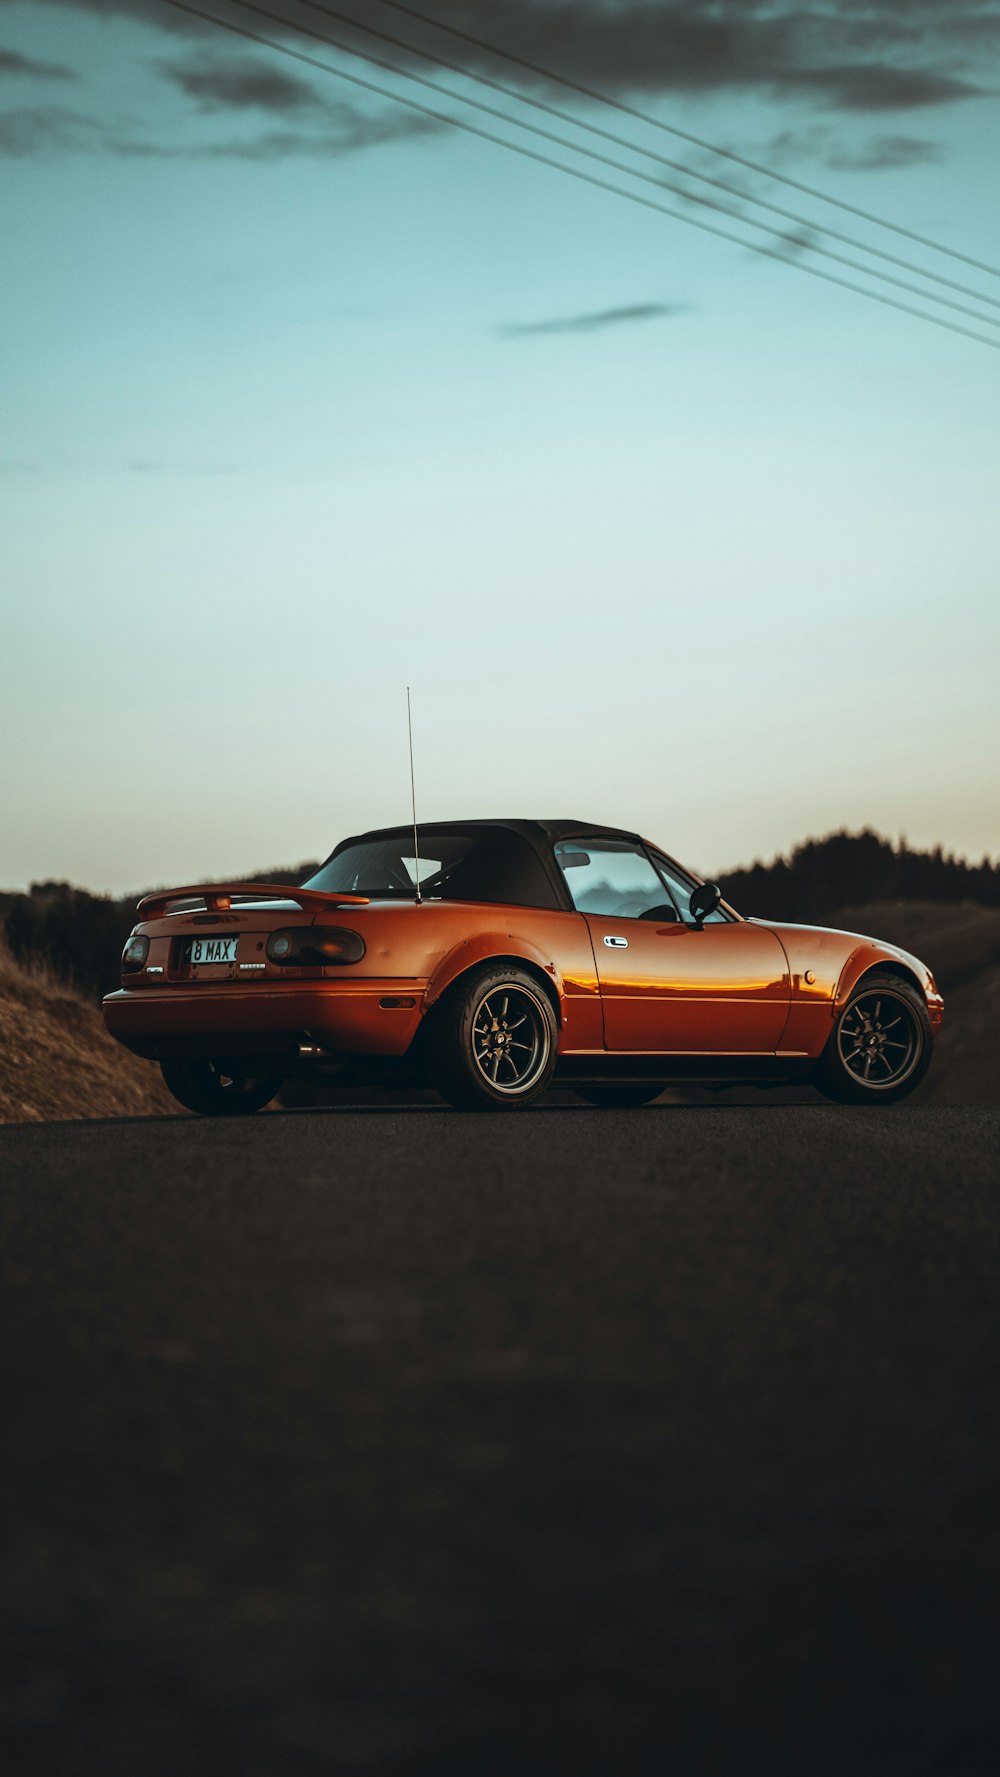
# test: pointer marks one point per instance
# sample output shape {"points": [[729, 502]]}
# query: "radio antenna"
{"points": [[413, 798]]}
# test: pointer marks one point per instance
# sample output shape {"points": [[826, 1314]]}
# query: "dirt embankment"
{"points": [[57, 1060]]}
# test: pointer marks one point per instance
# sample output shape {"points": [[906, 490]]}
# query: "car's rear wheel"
{"points": [[491, 1043], [219, 1088], [619, 1098], [880, 1047]]}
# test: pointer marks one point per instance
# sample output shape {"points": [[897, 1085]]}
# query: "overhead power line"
{"points": [[580, 123], [670, 129], [606, 160], [783, 258]]}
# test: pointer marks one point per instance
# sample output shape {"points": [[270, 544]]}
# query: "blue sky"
{"points": [[301, 404]]}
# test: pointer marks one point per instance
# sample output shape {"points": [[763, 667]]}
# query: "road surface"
{"points": [[656, 1442]]}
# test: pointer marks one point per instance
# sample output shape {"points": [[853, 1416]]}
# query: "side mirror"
{"points": [[704, 900]]}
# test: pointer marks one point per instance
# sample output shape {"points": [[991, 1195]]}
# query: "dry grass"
{"points": [[57, 1060]]}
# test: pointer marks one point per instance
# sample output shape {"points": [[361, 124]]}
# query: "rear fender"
{"points": [[485, 947]]}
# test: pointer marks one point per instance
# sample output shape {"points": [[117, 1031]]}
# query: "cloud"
{"points": [[11, 62], [864, 86], [831, 148], [149, 12], [794, 242], [849, 56], [688, 45], [882, 152], [353, 132], [42, 132], [244, 84], [247, 83], [594, 320]]}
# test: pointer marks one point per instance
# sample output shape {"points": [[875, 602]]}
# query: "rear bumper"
{"points": [[348, 1019]]}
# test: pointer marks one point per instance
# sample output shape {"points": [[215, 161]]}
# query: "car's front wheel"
{"points": [[219, 1088], [880, 1047], [491, 1043]]}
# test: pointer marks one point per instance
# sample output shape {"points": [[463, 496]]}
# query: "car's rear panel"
{"points": [[249, 1004]]}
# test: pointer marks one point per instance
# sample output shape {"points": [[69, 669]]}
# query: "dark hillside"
{"points": [[855, 869], [77, 936], [959, 942]]}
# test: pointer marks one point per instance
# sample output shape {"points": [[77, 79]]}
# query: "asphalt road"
{"points": [[407, 1441]]}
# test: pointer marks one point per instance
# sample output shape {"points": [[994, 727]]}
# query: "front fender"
{"points": [[483, 948], [870, 955]]}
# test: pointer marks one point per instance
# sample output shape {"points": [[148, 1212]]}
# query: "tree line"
{"points": [[79, 936], [851, 869]]}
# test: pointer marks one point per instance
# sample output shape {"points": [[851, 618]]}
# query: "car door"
{"points": [[667, 986]]}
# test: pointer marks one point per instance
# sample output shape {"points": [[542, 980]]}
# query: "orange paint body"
{"points": [[622, 986]]}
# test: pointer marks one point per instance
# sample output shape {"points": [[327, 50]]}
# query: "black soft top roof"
{"points": [[537, 832], [541, 884]]}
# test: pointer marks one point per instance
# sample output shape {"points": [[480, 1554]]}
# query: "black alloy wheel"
{"points": [[880, 1046], [491, 1043], [620, 1098], [219, 1088]]}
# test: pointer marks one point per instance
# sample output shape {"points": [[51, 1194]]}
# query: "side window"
{"points": [[680, 888], [613, 877]]}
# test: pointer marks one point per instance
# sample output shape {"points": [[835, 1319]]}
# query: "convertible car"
{"points": [[492, 959]]}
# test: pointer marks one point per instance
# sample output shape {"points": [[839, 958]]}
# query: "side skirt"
{"points": [[701, 1070]]}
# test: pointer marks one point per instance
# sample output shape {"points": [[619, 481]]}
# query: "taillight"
{"points": [[315, 946], [135, 953]]}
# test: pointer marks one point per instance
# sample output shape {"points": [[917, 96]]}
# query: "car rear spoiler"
{"points": [[219, 897]]}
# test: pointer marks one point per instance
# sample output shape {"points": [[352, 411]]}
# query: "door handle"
{"points": [[613, 942]]}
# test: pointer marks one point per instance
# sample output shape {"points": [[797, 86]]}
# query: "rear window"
{"points": [[388, 867], [493, 865]]}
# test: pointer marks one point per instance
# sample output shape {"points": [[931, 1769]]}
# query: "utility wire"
{"points": [[605, 160], [532, 154], [676, 166], [657, 123]]}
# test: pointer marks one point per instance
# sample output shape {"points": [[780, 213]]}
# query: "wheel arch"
{"points": [[872, 962], [460, 964]]}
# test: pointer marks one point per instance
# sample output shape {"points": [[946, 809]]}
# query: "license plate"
{"points": [[213, 950]]}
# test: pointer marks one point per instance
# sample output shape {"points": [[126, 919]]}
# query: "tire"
{"points": [[619, 1098], [219, 1088], [474, 1058], [881, 1044]]}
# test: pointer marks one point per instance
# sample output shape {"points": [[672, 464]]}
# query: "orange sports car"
{"points": [[492, 959]]}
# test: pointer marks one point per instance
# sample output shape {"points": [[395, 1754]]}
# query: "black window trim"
{"points": [[728, 915], [624, 841]]}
